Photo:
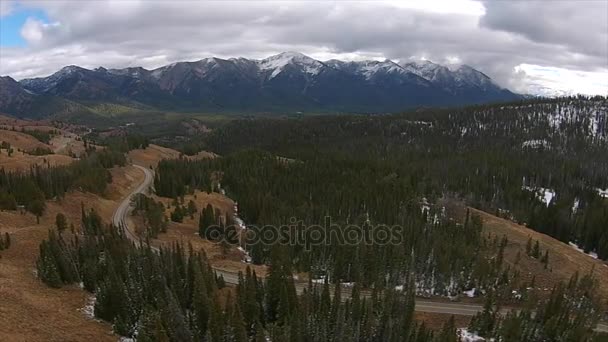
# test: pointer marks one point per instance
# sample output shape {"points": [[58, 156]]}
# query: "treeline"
{"points": [[40, 135], [153, 213], [570, 313], [484, 155], [174, 295], [446, 257], [30, 189], [123, 143], [38, 151]]}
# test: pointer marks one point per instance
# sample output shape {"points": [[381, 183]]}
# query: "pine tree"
{"points": [[545, 259], [47, 268], [206, 221], [61, 222], [536, 250], [529, 247]]}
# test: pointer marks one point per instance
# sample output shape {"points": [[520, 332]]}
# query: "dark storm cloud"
{"points": [[580, 25]]}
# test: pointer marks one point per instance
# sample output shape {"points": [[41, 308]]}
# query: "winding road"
{"points": [[119, 219]]}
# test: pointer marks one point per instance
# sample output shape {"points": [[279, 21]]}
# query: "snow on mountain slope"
{"points": [[277, 63], [44, 84], [289, 80], [455, 76], [427, 69]]}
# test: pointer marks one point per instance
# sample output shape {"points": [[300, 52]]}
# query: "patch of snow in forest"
{"points": [[246, 257], [575, 246], [466, 336], [576, 205], [240, 223], [516, 294], [319, 280], [535, 143], [470, 293], [424, 205], [543, 194], [89, 308]]}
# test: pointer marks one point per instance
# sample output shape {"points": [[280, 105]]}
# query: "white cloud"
{"points": [[34, 30], [468, 7], [549, 81], [6, 7], [494, 38]]}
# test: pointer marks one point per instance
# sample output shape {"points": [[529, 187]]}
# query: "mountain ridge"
{"points": [[289, 81]]}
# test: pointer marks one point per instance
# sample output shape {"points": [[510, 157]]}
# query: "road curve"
{"points": [[119, 219]]}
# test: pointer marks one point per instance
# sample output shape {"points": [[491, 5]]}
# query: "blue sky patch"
{"points": [[10, 26]]}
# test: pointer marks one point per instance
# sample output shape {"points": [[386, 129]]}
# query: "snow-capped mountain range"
{"points": [[289, 81]]}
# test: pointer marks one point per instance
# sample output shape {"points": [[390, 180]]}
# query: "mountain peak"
{"points": [[288, 55], [277, 63], [287, 80], [70, 69]]}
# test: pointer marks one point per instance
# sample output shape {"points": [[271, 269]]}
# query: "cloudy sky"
{"points": [[547, 46]]}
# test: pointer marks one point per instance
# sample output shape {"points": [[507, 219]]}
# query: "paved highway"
{"points": [[120, 220], [120, 214]]}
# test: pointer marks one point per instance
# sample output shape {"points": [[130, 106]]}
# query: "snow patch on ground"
{"points": [[319, 280], [543, 194], [89, 308], [576, 205], [535, 144], [466, 336], [246, 257], [470, 293], [575, 246]]}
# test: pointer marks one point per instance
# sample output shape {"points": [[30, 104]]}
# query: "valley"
{"points": [[304, 171], [491, 241]]}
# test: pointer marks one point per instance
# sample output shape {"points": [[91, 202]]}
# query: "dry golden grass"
{"points": [[23, 161], [564, 260], [62, 145], [435, 321], [31, 311], [7, 122], [203, 155], [187, 232], [67, 143], [21, 141], [151, 155]]}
